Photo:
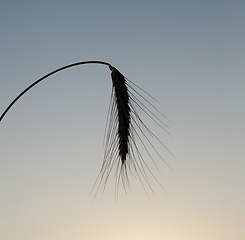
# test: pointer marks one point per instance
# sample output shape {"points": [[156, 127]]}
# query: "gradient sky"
{"points": [[189, 55]]}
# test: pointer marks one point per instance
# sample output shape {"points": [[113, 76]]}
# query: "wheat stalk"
{"points": [[124, 129]]}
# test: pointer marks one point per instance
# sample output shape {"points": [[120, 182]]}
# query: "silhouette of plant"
{"points": [[125, 129]]}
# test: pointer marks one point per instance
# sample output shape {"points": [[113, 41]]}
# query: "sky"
{"points": [[189, 55]]}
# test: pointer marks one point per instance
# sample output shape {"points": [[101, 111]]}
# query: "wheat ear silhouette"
{"points": [[124, 127]]}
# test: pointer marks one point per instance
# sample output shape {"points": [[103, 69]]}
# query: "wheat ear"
{"points": [[127, 136], [123, 111]]}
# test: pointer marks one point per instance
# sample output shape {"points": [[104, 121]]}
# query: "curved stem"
{"points": [[47, 75]]}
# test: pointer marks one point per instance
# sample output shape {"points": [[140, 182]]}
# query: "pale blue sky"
{"points": [[189, 55]]}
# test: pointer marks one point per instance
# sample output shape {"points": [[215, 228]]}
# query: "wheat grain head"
{"points": [[125, 129]]}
